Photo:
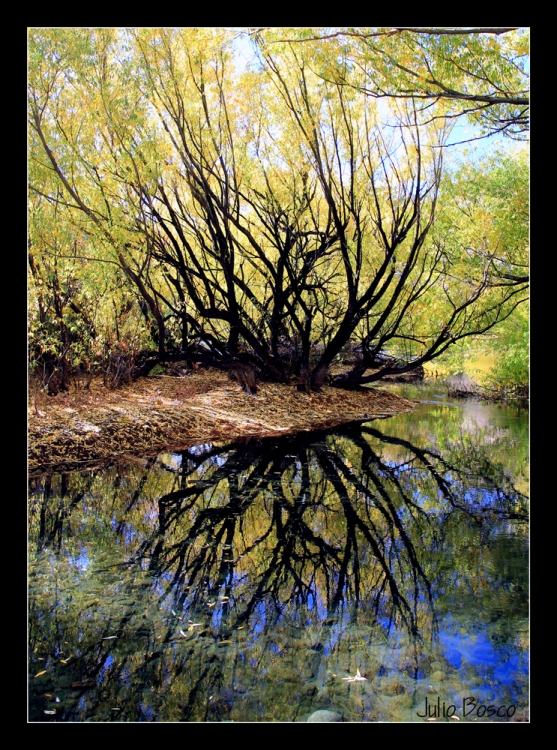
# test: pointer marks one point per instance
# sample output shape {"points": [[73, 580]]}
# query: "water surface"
{"points": [[379, 571]]}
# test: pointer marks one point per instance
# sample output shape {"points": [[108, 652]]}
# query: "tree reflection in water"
{"points": [[245, 582]]}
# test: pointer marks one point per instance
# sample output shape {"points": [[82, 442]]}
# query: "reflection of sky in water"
{"points": [[82, 561], [175, 460], [147, 711], [105, 667], [503, 666], [474, 413], [300, 630], [199, 450]]}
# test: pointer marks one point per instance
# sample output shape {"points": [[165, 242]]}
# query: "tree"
{"points": [[480, 73], [396, 229], [486, 205], [89, 133], [269, 218]]}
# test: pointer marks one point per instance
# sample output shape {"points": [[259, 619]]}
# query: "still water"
{"points": [[378, 572]]}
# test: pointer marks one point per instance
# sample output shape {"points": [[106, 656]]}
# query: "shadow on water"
{"points": [[255, 581]]}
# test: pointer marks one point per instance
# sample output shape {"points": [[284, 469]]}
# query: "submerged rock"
{"points": [[393, 688], [325, 716], [461, 384]]}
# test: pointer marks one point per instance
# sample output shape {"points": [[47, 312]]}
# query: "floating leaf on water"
{"points": [[40, 673], [357, 677]]}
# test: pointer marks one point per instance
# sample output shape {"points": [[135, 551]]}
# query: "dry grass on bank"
{"points": [[83, 427]]}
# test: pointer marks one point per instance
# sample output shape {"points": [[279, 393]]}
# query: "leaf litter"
{"points": [[153, 414]]}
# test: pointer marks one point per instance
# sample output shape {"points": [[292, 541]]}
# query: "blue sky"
{"points": [[462, 131]]}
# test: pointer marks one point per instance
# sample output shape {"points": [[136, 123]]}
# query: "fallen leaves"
{"points": [[213, 409], [357, 678]]}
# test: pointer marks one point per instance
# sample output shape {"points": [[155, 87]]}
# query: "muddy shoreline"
{"points": [[84, 428]]}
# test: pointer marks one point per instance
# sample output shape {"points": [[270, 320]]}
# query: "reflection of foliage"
{"points": [[233, 567]]}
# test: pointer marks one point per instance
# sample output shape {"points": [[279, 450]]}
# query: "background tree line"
{"points": [[278, 215]]}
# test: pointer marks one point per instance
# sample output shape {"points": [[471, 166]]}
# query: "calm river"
{"points": [[377, 572]]}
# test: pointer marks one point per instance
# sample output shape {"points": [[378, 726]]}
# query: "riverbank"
{"points": [[84, 427]]}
